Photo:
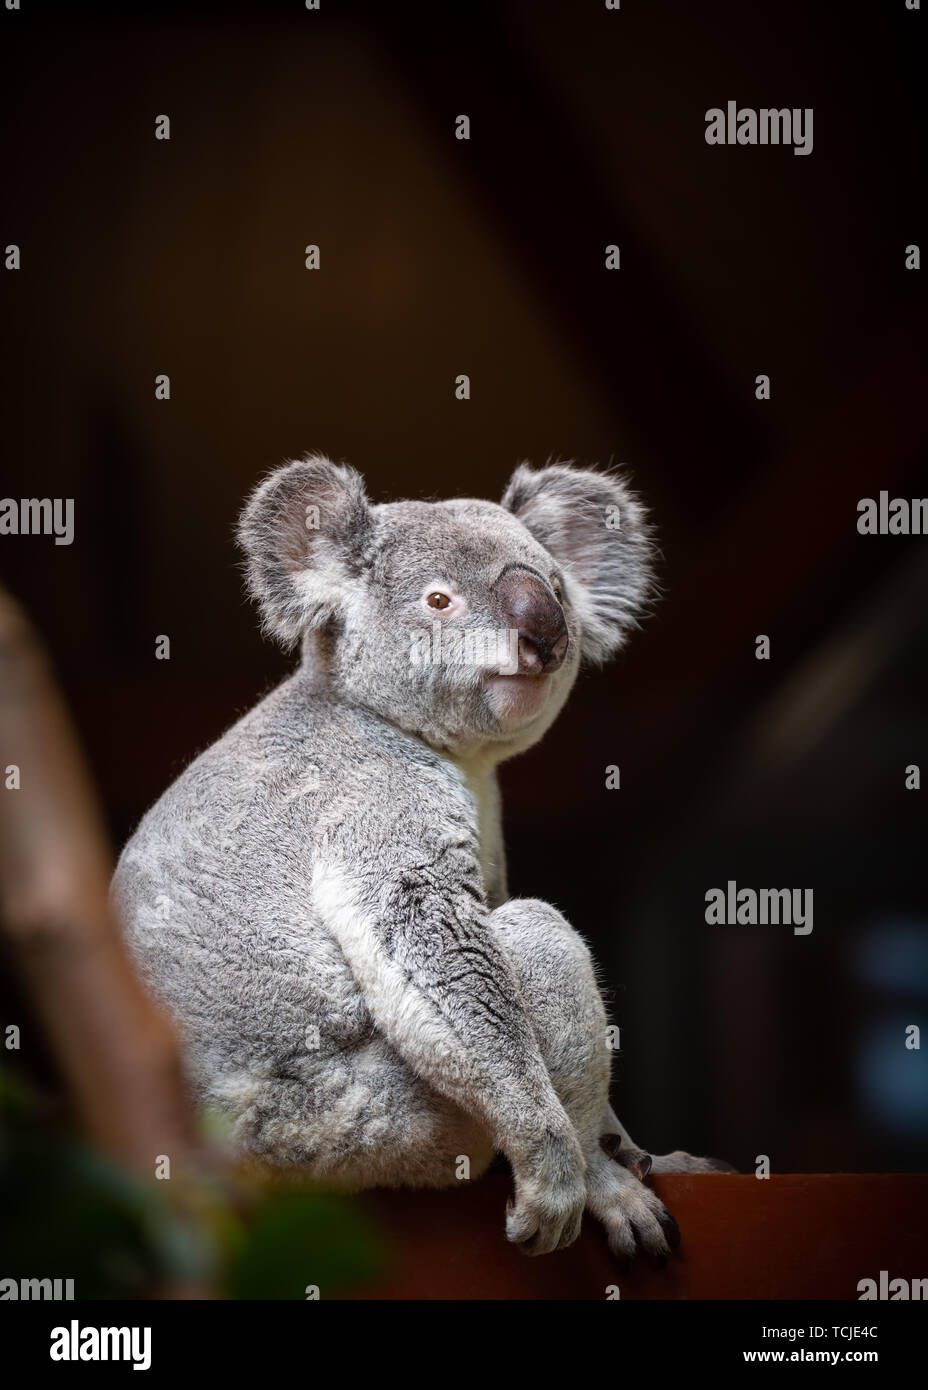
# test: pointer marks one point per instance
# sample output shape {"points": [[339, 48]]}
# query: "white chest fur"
{"points": [[479, 777]]}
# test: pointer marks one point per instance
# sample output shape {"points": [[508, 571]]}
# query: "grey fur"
{"points": [[320, 898]]}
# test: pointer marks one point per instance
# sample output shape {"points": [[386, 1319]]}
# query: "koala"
{"points": [[320, 898]]}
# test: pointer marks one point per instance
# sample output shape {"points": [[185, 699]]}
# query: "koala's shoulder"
{"points": [[345, 756], [366, 760], [301, 766]]}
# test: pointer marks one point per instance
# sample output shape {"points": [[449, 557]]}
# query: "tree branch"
{"points": [[116, 1050]]}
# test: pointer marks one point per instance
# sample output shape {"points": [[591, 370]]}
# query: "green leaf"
{"points": [[300, 1238]]}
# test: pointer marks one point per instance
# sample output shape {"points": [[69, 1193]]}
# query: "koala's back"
{"points": [[214, 887]]}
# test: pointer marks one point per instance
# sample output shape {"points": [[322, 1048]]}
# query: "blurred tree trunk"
{"points": [[116, 1050]]}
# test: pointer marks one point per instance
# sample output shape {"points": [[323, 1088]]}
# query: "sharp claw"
{"points": [[644, 1166], [671, 1230]]}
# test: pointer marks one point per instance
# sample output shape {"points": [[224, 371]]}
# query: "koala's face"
{"points": [[462, 628], [461, 621]]}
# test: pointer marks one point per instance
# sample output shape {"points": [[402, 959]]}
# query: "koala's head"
{"points": [[464, 621]]}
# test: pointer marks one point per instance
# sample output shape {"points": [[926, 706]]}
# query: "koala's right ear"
{"points": [[304, 531]]}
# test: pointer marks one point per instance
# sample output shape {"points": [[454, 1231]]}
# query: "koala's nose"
{"points": [[534, 612]]}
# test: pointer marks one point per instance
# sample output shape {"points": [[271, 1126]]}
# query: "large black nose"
{"points": [[532, 610]]}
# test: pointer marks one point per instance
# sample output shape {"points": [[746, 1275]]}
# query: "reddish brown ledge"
{"points": [[805, 1236]]}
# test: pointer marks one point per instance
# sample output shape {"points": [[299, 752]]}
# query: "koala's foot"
{"points": [[551, 1194], [634, 1217], [641, 1163], [637, 1161], [680, 1162]]}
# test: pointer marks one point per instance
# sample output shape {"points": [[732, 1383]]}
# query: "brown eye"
{"points": [[558, 592], [438, 600]]}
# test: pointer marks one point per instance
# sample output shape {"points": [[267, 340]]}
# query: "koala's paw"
{"points": [[550, 1198], [634, 1217], [680, 1162]]}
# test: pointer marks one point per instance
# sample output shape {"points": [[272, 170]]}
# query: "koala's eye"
{"points": [[558, 591], [437, 599]]}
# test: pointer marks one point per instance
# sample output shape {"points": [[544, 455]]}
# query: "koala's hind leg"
{"points": [[558, 984], [556, 979]]}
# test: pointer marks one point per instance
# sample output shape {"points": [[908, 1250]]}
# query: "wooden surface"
{"points": [[806, 1236]]}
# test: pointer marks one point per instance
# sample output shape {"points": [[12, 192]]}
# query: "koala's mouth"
{"points": [[518, 697]]}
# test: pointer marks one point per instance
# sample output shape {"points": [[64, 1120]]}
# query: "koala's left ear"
{"points": [[305, 531], [595, 527]]}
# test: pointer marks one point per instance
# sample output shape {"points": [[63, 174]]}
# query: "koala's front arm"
{"points": [[414, 928]]}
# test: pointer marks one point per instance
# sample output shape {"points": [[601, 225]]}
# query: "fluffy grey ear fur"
{"points": [[304, 531], [596, 528]]}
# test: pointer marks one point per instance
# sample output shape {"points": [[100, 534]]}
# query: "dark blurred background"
{"points": [[486, 257]]}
